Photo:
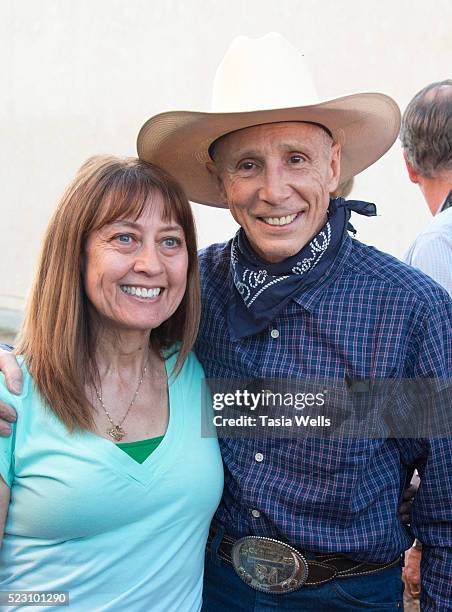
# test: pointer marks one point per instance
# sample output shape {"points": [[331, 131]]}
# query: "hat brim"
{"points": [[366, 125]]}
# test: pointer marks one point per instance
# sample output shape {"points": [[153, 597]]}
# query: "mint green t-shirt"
{"points": [[86, 518]]}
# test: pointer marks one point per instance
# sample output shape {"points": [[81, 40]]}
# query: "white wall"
{"points": [[80, 77]]}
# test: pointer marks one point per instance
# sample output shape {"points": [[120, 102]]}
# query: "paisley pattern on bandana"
{"points": [[262, 289], [253, 283]]}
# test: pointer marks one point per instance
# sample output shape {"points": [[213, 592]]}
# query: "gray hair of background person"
{"points": [[426, 131]]}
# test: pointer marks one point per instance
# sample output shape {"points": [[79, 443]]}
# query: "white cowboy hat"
{"points": [[265, 80]]}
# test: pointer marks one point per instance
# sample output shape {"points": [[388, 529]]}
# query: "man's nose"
{"points": [[149, 260], [275, 187]]}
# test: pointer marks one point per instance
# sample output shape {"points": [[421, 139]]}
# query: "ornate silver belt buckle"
{"points": [[269, 565]]}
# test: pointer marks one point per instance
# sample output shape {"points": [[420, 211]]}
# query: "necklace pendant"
{"points": [[116, 432]]}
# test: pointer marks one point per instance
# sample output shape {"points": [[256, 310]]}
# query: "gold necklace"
{"points": [[116, 431]]}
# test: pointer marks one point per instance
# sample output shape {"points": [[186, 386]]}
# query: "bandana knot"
{"points": [[262, 289]]}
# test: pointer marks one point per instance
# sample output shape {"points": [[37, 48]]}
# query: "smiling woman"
{"points": [[136, 271], [106, 457], [83, 254]]}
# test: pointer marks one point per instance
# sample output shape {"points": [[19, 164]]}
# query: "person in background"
{"points": [[426, 137], [106, 488]]}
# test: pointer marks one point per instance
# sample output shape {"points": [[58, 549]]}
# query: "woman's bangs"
{"points": [[122, 201], [129, 199]]}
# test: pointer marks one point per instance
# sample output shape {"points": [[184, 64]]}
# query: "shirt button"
{"points": [[274, 333], [259, 457], [255, 513]]}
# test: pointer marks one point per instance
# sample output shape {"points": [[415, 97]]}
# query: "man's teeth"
{"points": [[279, 220], [141, 291]]}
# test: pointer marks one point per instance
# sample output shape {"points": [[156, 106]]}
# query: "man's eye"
{"points": [[296, 159], [247, 165]]}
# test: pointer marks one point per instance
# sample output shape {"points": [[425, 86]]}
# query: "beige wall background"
{"points": [[80, 77]]}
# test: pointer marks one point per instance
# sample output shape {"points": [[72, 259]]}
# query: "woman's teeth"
{"points": [[141, 291], [279, 220]]}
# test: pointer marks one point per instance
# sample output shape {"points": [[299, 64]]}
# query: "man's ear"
{"points": [[335, 166], [414, 176], [214, 172]]}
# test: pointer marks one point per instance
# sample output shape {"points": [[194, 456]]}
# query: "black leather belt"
{"points": [[272, 566]]}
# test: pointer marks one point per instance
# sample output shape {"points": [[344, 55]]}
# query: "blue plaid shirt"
{"points": [[370, 316]]}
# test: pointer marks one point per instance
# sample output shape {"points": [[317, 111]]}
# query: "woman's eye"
{"points": [[124, 238], [171, 242]]}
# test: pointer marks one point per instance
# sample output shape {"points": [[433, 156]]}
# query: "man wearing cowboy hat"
{"points": [[308, 523]]}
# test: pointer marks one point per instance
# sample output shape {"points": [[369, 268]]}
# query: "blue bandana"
{"points": [[263, 289]]}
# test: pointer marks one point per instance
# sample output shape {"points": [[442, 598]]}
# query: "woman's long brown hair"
{"points": [[57, 337]]}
